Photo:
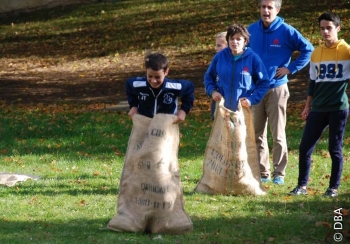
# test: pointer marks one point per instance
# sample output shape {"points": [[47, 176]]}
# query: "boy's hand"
{"points": [[245, 102], [181, 115], [305, 113], [133, 110], [216, 96]]}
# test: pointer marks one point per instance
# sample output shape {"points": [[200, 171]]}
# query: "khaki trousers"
{"points": [[273, 110]]}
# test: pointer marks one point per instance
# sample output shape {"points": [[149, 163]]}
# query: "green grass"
{"points": [[78, 150], [78, 153]]}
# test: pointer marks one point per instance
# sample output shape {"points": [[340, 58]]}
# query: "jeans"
{"points": [[316, 123]]}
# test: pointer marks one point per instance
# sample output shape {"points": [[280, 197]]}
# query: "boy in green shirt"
{"points": [[326, 104]]}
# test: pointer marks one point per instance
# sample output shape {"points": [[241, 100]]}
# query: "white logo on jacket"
{"points": [[168, 99]]}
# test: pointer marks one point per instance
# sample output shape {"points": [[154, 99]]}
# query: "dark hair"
{"points": [[330, 16], [237, 29], [156, 61]]}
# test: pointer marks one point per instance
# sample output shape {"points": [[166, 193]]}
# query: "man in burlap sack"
{"points": [[150, 198], [238, 78]]}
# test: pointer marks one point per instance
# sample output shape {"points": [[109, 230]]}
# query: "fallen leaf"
{"points": [[345, 212], [346, 178], [323, 223]]}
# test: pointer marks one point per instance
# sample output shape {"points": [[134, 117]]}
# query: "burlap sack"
{"points": [[150, 198], [230, 161]]}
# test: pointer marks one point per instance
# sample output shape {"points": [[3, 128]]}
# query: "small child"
{"points": [[220, 43], [326, 104], [155, 93]]}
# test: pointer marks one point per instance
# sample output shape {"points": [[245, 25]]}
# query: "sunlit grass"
{"points": [[78, 150], [76, 194]]}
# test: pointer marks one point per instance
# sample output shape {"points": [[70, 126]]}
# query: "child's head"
{"points": [[157, 68], [237, 37], [330, 26], [220, 41]]}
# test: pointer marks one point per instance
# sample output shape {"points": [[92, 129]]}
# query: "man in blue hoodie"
{"points": [[275, 42]]}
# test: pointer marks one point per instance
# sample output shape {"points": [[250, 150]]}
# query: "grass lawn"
{"points": [[77, 147]]}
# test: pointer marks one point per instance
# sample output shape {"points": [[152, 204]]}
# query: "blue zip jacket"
{"points": [[150, 101], [275, 46], [245, 77]]}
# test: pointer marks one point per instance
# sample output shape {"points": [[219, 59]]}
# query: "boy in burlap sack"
{"points": [[230, 162], [150, 198], [238, 78]]}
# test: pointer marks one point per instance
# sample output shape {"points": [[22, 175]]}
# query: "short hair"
{"points": [[330, 16], [237, 29], [221, 35], [278, 3], [156, 61]]}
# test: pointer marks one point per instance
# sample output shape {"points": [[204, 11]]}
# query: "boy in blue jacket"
{"points": [[155, 93], [275, 42], [236, 73]]}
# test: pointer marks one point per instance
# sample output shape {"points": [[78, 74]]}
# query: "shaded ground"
{"points": [[85, 53], [100, 81]]}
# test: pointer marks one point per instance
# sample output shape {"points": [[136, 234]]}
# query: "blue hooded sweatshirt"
{"points": [[233, 79], [275, 46]]}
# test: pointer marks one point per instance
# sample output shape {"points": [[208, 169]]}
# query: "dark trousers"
{"points": [[316, 123]]}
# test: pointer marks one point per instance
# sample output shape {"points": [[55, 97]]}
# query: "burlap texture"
{"points": [[230, 164], [150, 198]]}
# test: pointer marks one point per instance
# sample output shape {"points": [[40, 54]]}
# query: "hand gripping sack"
{"points": [[150, 198], [230, 164]]}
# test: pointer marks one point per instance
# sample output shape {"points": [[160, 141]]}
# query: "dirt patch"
{"points": [[96, 81]]}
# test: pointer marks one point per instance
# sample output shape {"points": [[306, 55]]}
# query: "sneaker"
{"points": [[279, 180], [298, 191], [331, 193], [265, 179]]}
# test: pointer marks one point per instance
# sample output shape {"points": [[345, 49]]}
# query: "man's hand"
{"points": [[280, 72]]}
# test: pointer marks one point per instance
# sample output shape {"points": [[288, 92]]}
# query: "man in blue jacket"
{"points": [[275, 42], [155, 93]]}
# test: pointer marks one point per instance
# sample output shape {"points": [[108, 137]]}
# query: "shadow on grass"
{"points": [[256, 222], [70, 25]]}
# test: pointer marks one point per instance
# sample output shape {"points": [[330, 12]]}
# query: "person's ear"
{"points": [[338, 28], [278, 10], [166, 72]]}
